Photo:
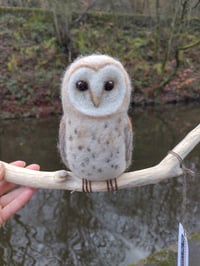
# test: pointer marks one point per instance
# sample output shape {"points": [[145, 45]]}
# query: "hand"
{"points": [[12, 196]]}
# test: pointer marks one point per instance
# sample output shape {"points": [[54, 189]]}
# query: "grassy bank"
{"points": [[33, 62]]}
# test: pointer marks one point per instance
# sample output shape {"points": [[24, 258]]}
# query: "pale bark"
{"points": [[169, 167]]}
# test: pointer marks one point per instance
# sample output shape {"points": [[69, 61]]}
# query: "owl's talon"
{"points": [[86, 185], [112, 185]]}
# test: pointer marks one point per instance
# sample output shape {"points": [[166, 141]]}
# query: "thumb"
{"points": [[2, 170]]}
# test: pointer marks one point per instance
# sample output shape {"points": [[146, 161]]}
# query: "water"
{"points": [[63, 228]]}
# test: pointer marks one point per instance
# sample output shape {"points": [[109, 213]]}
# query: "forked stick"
{"points": [[169, 167]]}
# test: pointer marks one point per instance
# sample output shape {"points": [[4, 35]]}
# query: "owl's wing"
{"points": [[62, 139], [128, 134]]}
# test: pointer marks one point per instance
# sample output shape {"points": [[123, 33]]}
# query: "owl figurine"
{"points": [[95, 135]]}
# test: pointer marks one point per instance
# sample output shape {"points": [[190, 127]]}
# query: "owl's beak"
{"points": [[96, 100]]}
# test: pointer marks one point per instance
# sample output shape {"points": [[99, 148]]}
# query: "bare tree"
{"points": [[178, 28]]}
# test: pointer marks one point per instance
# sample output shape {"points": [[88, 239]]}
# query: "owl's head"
{"points": [[96, 85]]}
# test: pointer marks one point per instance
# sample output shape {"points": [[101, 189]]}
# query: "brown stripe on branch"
{"points": [[169, 167]]}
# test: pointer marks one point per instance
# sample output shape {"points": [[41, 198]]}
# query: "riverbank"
{"points": [[33, 62], [168, 256]]}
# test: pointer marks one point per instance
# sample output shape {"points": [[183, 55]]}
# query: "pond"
{"points": [[116, 228]]}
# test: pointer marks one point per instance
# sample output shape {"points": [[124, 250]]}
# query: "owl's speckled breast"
{"points": [[95, 149]]}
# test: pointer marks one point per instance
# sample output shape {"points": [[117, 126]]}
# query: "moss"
{"points": [[163, 258], [168, 256], [160, 258], [32, 57], [25, 12], [196, 236]]}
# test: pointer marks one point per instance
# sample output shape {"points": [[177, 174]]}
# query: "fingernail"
{"points": [[19, 163]]}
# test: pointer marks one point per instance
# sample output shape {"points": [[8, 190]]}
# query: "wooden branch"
{"points": [[167, 168]]}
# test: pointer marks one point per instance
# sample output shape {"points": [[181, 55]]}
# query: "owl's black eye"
{"points": [[109, 85], [82, 85]]}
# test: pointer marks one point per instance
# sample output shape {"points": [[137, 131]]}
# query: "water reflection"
{"points": [[63, 228]]}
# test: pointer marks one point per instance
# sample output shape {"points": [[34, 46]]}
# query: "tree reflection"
{"points": [[63, 228]]}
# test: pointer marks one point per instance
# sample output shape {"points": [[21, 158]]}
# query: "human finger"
{"points": [[19, 163], [4, 185], [20, 199], [2, 170], [11, 196], [34, 166]]}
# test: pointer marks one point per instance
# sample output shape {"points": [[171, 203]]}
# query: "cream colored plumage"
{"points": [[95, 136]]}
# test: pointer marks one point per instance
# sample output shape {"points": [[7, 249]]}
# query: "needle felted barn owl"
{"points": [[95, 135]]}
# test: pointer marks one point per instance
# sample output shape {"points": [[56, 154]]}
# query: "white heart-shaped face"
{"points": [[96, 91]]}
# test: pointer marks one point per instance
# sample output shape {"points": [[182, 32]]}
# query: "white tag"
{"points": [[183, 250]]}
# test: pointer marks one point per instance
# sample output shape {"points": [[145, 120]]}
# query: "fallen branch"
{"points": [[169, 167]]}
